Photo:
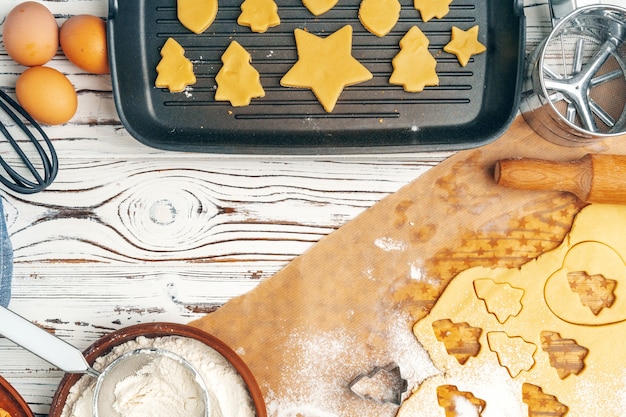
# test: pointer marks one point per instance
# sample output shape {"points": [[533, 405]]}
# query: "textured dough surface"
{"points": [[575, 357]]}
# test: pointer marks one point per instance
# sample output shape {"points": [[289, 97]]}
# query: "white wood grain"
{"points": [[130, 234]]}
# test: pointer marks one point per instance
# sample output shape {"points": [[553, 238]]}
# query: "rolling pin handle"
{"points": [[537, 174]]}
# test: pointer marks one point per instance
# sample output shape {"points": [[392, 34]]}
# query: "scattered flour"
{"points": [[220, 377]]}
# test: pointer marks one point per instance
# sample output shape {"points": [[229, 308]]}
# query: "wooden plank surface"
{"points": [[130, 234]]}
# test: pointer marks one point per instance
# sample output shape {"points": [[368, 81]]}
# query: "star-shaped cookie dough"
{"points": [[432, 8], [464, 44], [325, 65]]}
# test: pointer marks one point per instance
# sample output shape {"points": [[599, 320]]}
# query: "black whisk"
{"points": [[39, 178]]}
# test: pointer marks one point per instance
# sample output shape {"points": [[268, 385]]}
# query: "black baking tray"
{"points": [[472, 105]]}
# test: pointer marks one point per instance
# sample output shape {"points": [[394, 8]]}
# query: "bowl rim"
{"points": [[106, 343], [17, 406]]}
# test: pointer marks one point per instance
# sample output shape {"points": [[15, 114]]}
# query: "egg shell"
{"points": [[84, 42], [47, 95], [30, 34]]}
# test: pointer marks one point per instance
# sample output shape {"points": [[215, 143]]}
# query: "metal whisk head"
{"points": [[25, 136]]}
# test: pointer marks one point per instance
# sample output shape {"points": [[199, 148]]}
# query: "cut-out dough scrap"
{"points": [[259, 15], [237, 80], [501, 299], [541, 404], [379, 16], [432, 8], [464, 44], [459, 339], [457, 403], [566, 356], [514, 353], [325, 65], [595, 291], [596, 258], [595, 244], [174, 71], [414, 67], [196, 15], [319, 7]]}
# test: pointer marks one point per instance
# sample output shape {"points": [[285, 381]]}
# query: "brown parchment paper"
{"points": [[349, 303]]}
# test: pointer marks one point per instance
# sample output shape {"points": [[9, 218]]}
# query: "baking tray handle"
{"points": [[112, 9]]}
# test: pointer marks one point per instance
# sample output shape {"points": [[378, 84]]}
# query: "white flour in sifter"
{"points": [[152, 389]]}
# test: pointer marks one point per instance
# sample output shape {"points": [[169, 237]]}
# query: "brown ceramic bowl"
{"points": [[151, 330], [12, 401]]}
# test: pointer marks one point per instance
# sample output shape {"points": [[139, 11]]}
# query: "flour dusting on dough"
{"points": [[388, 244]]}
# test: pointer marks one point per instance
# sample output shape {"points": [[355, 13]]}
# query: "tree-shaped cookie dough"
{"points": [[414, 66], [237, 80], [175, 71], [432, 8], [259, 15]]}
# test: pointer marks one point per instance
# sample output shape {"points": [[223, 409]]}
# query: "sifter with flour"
{"points": [[65, 356]]}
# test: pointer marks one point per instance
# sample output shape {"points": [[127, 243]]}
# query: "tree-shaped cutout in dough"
{"points": [[514, 353], [501, 299], [459, 339], [595, 291], [237, 80], [541, 404], [566, 356], [174, 70], [459, 403], [259, 15]]}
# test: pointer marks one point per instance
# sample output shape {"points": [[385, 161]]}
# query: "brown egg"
{"points": [[84, 42], [30, 34], [47, 95]]}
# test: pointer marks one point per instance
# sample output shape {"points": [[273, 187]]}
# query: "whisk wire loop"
{"points": [[48, 157]]}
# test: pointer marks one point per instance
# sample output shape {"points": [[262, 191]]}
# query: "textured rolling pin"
{"points": [[592, 178]]}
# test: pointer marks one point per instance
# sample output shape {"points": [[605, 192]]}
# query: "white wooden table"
{"points": [[130, 234]]}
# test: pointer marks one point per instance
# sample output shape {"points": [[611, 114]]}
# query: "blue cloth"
{"points": [[6, 261]]}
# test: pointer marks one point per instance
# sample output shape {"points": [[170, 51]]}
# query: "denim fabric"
{"points": [[6, 261]]}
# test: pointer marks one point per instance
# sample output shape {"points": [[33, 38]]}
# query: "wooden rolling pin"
{"points": [[592, 178]]}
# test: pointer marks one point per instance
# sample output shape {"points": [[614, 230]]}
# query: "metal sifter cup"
{"points": [[575, 84], [60, 353]]}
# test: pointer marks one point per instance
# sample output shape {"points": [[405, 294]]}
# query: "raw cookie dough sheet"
{"points": [[349, 303]]}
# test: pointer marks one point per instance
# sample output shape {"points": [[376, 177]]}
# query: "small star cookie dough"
{"points": [[464, 44], [319, 7], [196, 15], [414, 67], [259, 15], [379, 16], [174, 71], [432, 8], [325, 65], [237, 80]]}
